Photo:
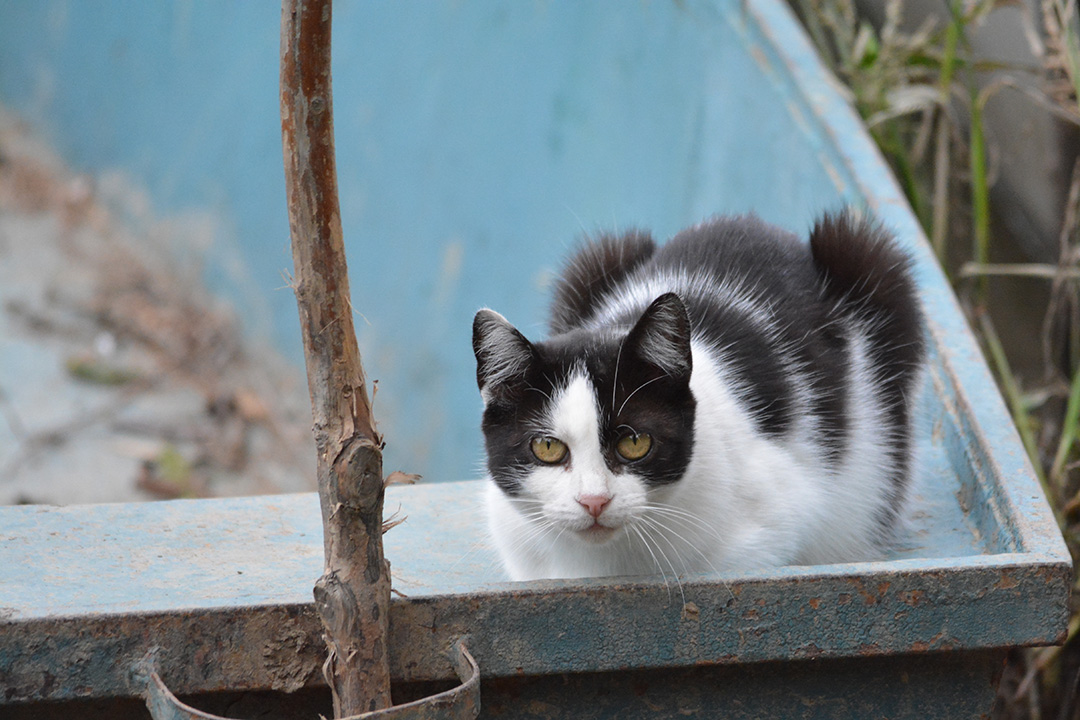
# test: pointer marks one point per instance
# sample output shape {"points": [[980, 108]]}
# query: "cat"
{"points": [[735, 398]]}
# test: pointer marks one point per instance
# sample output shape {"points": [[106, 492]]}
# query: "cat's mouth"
{"points": [[597, 533]]}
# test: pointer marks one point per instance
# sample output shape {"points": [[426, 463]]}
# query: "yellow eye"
{"points": [[548, 450], [634, 447]]}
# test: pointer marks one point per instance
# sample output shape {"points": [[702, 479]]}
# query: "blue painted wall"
{"points": [[476, 141]]}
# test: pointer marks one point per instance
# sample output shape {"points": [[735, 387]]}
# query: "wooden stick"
{"points": [[353, 595]]}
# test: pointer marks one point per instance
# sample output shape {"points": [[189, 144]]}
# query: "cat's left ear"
{"points": [[502, 353], [661, 337]]}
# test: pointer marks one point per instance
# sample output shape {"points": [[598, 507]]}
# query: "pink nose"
{"points": [[595, 504]]}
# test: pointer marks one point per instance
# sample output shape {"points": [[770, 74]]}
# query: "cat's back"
{"points": [[727, 264], [740, 246]]}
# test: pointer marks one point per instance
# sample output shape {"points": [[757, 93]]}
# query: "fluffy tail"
{"points": [[867, 275], [869, 280], [593, 272]]}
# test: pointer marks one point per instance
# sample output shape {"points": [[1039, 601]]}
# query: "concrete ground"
{"points": [[121, 377]]}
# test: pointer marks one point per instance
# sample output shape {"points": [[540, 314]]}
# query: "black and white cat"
{"points": [[735, 398]]}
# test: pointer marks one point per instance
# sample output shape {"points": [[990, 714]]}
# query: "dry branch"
{"points": [[353, 596]]}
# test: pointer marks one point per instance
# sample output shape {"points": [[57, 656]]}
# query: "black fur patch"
{"points": [[597, 268]]}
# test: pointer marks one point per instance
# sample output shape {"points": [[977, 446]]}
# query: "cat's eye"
{"points": [[548, 450], [634, 446]]}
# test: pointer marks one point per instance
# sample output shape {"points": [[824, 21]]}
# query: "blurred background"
{"points": [[476, 143]]}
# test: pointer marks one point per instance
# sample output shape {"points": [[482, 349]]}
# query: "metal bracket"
{"points": [[459, 703]]}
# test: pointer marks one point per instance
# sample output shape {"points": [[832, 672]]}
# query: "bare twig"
{"points": [[353, 596]]}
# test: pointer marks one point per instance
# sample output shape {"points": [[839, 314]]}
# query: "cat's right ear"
{"points": [[661, 337], [502, 353]]}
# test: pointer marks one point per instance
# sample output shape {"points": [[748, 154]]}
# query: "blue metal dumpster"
{"points": [[476, 140]]}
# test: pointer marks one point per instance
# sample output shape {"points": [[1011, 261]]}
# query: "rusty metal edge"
{"points": [[858, 610]]}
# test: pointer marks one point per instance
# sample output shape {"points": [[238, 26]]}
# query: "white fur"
{"points": [[746, 500]]}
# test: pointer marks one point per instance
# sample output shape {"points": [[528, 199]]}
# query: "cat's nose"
{"points": [[594, 504]]}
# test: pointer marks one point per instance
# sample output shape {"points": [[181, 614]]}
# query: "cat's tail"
{"points": [[868, 280], [593, 272], [868, 276]]}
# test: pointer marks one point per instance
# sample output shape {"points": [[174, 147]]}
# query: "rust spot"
{"points": [[1007, 582], [912, 597], [868, 649], [868, 597], [809, 651], [843, 598], [938, 642], [814, 603]]}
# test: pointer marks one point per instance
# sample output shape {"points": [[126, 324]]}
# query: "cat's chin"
{"points": [[597, 533]]}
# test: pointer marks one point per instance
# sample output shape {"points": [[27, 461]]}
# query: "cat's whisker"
{"points": [[476, 545], [690, 518], [473, 547], [642, 385], [663, 531], [674, 572], [615, 384], [542, 392], [538, 529], [693, 546], [532, 514], [659, 567]]}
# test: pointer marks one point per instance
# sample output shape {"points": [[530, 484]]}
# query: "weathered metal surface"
{"points": [[223, 587], [459, 703], [955, 686], [265, 635]]}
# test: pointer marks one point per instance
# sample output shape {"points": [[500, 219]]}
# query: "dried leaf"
{"points": [[401, 478], [393, 522], [99, 372], [250, 406]]}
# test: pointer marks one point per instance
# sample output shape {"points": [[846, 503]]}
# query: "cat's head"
{"points": [[579, 428]]}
